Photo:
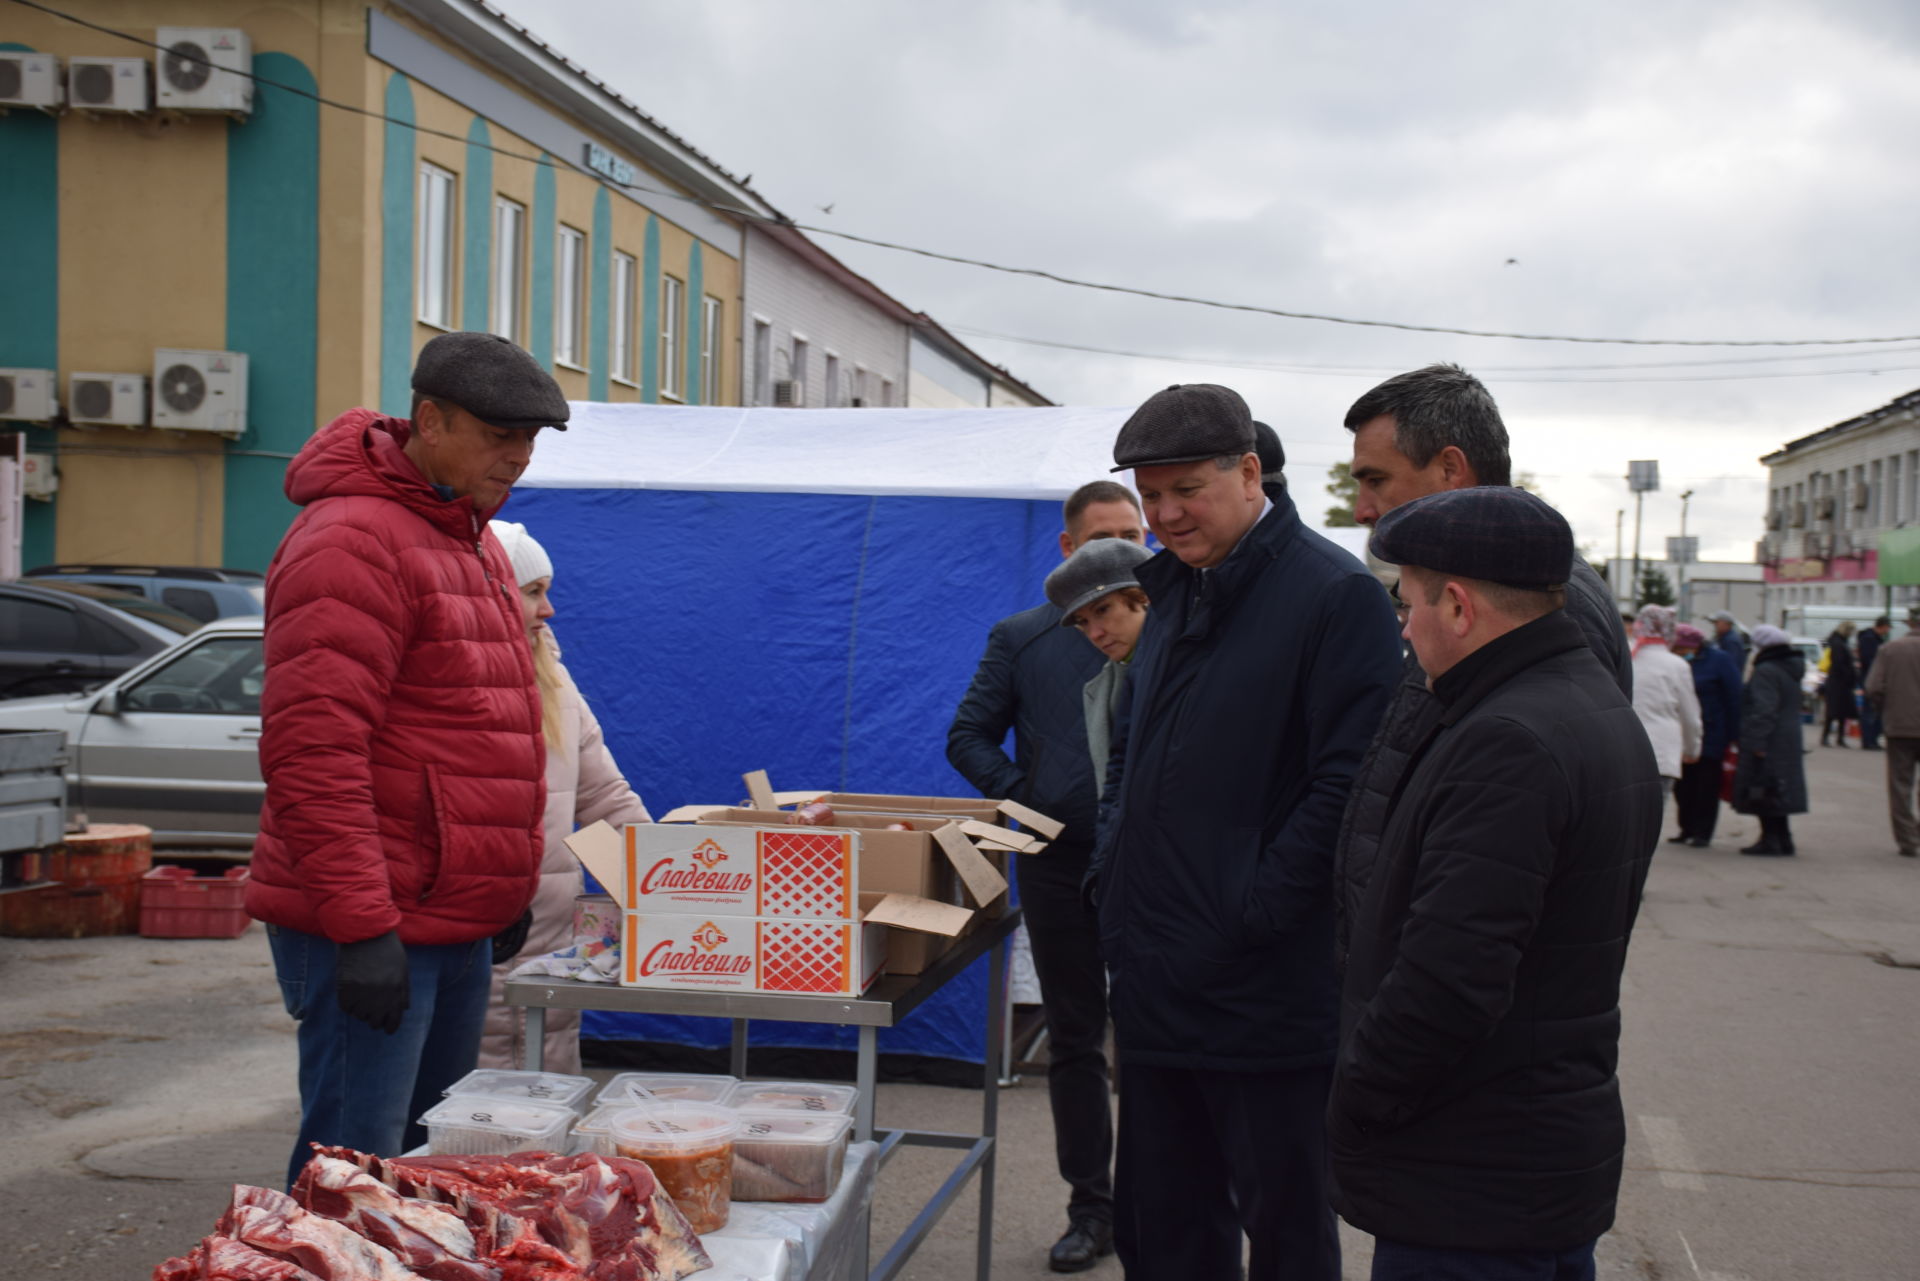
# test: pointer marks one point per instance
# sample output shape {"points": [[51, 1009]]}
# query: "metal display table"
{"points": [[885, 1004]]}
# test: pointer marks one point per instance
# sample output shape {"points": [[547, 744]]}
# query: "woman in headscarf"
{"points": [[1843, 683], [1663, 694], [1716, 681], [1770, 781], [583, 786]]}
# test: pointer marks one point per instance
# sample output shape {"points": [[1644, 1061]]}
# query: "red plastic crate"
{"points": [[176, 904]]}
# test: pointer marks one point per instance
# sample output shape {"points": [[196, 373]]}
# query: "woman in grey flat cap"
{"points": [[1097, 592]]}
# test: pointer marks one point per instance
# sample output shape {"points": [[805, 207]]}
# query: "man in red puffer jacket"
{"points": [[400, 742]]}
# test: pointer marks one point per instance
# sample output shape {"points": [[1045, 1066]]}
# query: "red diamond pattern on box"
{"points": [[806, 874], [803, 956]]}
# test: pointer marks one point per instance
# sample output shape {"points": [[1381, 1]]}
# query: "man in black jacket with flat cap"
{"points": [[1264, 665], [1475, 1123]]}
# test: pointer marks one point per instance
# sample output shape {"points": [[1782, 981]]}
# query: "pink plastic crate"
{"points": [[176, 904]]}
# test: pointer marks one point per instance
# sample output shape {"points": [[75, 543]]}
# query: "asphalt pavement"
{"points": [[1770, 1070]]}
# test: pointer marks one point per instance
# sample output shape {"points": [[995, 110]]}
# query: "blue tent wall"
{"points": [[825, 638]]}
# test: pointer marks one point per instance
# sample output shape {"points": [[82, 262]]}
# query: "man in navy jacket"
{"points": [[1266, 662]]}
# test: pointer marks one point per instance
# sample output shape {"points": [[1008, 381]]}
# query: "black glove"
{"points": [[373, 982], [508, 942]]}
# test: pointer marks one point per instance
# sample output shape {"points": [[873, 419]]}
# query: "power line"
{"points": [[984, 264]]}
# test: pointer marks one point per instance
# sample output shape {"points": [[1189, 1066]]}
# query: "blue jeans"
{"points": [[364, 1089], [1393, 1261]]}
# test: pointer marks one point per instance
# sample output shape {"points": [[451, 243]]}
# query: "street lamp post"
{"points": [[1685, 611], [1643, 477]]}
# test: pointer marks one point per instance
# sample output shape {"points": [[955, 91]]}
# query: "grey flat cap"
{"points": [[1493, 532], [1101, 566], [492, 379], [1183, 424], [1266, 443]]}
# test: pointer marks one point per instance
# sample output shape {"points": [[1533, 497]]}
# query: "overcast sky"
{"points": [[1680, 169]]}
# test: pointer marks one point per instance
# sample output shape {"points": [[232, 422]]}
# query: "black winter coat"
{"points": [[1842, 683], [1589, 603], [1252, 695], [1475, 1104], [1771, 762], [1029, 681]]}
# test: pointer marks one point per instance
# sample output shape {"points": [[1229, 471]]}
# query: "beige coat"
{"points": [[583, 786], [1893, 684]]}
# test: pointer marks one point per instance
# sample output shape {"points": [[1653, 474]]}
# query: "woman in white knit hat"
{"points": [[583, 786]]}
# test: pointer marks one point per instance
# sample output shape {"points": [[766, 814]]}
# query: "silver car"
{"points": [[174, 743]]}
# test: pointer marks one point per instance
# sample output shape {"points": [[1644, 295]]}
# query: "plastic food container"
{"points": [[689, 1147], [792, 1096], [537, 1087], [590, 1132], [680, 1087], [489, 1125], [789, 1156]]}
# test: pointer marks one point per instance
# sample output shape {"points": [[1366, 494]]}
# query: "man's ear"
{"points": [[1462, 611], [1250, 473], [430, 421], [1455, 471], [1066, 544]]}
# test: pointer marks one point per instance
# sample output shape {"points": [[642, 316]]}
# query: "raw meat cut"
{"points": [[273, 1223], [219, 1258], [537, 1215], [429, 1239]]}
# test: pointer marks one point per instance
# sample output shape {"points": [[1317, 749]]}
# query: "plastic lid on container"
{"points": [[493, 1113], [792, 1096], [672, 1127], [793, 1127], [542, 1087], [595, 1121], [681, 1087]]}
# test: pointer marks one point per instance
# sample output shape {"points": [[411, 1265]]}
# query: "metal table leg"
{"points": [[990, 1104], [865, 1077], [737, 1062], [535, 1054]]}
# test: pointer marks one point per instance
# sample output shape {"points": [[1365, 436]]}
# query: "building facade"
{"points": [[1831, 496], [818, 334], [470, 178]]}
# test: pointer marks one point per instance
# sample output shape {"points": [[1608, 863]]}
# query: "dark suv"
{"points": [[205, 594], [60, 637]]}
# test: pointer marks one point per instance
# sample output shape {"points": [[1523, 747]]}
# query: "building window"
{"points": [[672, 315], [831, 396], [861, 397], [625, 274], [886, 393], [710, 350], [797, 369], [509, 267], [569, 296], [1874, 490], [435, 262], [762, 361]]}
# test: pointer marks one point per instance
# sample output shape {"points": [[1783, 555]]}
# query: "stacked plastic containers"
{"points": [[489, 1112], [792, 1142]]}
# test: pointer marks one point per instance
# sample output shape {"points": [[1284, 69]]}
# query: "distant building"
{"points": [[1705, 588], [1830, 496]]}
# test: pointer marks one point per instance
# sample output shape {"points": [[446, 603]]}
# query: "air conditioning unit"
{"points": [[1763, 551], [1799, 516], [28, 395], [1861, 496], [109, 84], [789, 393], [119, 400], [1813, 546], [38, 476], [200, 390], [1839, 545], [203, 69], [1823, 507], [31, 80], [1776, 518]]}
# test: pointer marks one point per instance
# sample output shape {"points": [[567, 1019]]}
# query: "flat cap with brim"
{"points": [[1266, 443], [1102, 566], [1184, 424], [492, 379], [1494, 533]]}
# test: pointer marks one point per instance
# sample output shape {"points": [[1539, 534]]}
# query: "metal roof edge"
{"points": [[1909, 402], [940, 336]]}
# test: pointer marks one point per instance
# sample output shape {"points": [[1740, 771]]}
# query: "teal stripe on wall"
{"points": [[692, 330], [396, 251], [479, 238], [599, 299], [30, 300], [273, 298], [650, 313], [545, 228]]}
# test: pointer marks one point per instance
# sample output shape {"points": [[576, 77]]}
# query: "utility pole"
{"points": [[1643, 477], [1686, 555]]}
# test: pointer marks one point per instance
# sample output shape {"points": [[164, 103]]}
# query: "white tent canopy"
{"points": [[951, 453]]}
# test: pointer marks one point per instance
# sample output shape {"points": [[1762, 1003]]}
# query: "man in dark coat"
{"points": [[1475, 1122], [1030, 681], [1716, 683], [1266, 660], [1869, 646], [1418, 433], [1726, 634], [1770, 782]]}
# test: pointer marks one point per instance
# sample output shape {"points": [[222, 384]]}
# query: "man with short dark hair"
{"points": [[1423, 432], [1893, 692], [1475, 1122], [1265, 661], [1273, 458], [1726, 634], [1030, 681], [1868, 646], [400, 743]]}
